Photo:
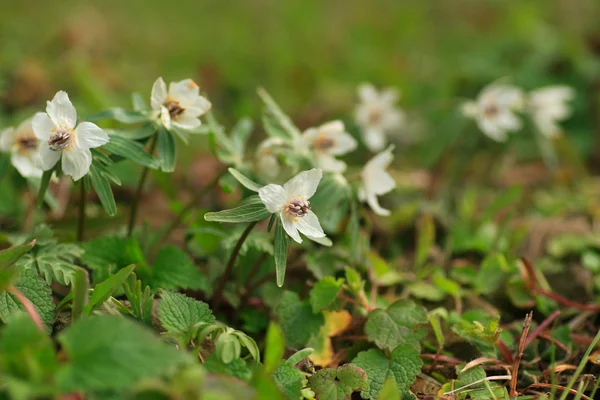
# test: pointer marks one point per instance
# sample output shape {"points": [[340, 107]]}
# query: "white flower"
{"points": [[547, 106], [377, 115], [327, 141], [22, 144], [494, 110], [60, 135], [179, 107], [376, 181], [290, 201], [267, 160]]}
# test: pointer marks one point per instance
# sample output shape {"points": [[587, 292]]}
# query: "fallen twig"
{"points": [[519, 354]]}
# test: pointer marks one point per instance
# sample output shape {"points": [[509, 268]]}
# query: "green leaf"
{"points": [[324, 293], [103, 290], [179, 313], [289, 381], [108, 254], [483, 335], [131, 150], [36, 290], [478, 391], [44, 186], [331, 384], [300, 355], [121, 115], [297, 320], [394, 326], [236, 368], [246, 182], [55, 262], [8, 257], [27, 359], [173, 269], [80, 293], [403, 366], [166, 150], [494, 270], [389, 391], [276, 122], [251, 209], [112, 353], [103, 190], [143, 132], [281, 245], [139, 103], [240, 134], [228, 348], [425, 239], [274, 348]]}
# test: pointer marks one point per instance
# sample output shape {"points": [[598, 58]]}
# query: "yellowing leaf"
{"points": [[336, 322]]}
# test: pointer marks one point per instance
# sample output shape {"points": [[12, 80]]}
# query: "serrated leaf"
{"points": [[112, 353], [332, 384], [36, 290], [103, 190], [130, 150], [236, 368], [403, 366], [289, 381], [55, 262], [280, 254], [336, 322], [394, 326], [166, 150], [179, 313], [173, 269], [108, 254], [119, 114], [297, 320], [105, 289], [324, 293], [245, 181], [251, 210]]}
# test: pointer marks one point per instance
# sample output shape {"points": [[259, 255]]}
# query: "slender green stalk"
{"points": [[81, 216], [218, 293], [139, 191], [581, 365]]}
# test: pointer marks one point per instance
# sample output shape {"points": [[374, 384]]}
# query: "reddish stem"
{"points": [[28, 305]]}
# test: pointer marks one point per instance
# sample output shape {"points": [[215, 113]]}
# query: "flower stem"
{"points": [[81, 216], [218, 293], [140, 189]]}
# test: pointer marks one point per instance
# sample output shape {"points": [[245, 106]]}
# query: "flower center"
{"points": [[323, 143], [374, 116], [490, 110], [297, 207], [175, 109], [61, 138], [27, 142]]}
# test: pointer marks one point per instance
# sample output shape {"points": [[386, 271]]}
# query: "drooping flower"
{"points": [[180, 106], [22, 144], [376, 181], [60, 135], [377, 115], [495, 108], [290, 201], [547, 106], [328, 141]]}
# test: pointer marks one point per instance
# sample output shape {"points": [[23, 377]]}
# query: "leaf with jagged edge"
{"points": [[396, 325], [338, 384], [179, 313]]}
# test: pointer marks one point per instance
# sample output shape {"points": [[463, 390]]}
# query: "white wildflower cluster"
{"points": [[496, 109]]}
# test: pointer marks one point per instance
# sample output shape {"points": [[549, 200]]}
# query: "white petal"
{"points": [[47, 157], [165, 117], [374, 176], [509, 121], [273, 196], [25, 126], [26, 166], [42, 126], [309, 225], [89, 136], [76, 162], [186, 122], [343, 143], [304, 184], [329, 163], [185, 91], [310, 135], [159, 94], [61, 110], [373, 202], [290, 227], [374, 139], [200, 107], [332, 128], [7, 139], [389, 96], [367, 93], [491, 129]]}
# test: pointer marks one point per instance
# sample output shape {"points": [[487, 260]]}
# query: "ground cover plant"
{"points": [[164, 246]]}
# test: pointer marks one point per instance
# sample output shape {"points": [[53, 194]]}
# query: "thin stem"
{"points": [[519, 355], [218, 293], [140, 189], [28, 306], [581, 365], [81, 216]]}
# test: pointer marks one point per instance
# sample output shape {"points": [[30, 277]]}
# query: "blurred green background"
{"points": [[309, 54]]}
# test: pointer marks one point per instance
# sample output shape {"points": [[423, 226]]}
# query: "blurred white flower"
{"points": [[267, 160], [547, 107], [60, 135], [376, 181], [327, 141], [494, 110], [181, 106], [22, 144], [290, 201], [377, 115]]}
